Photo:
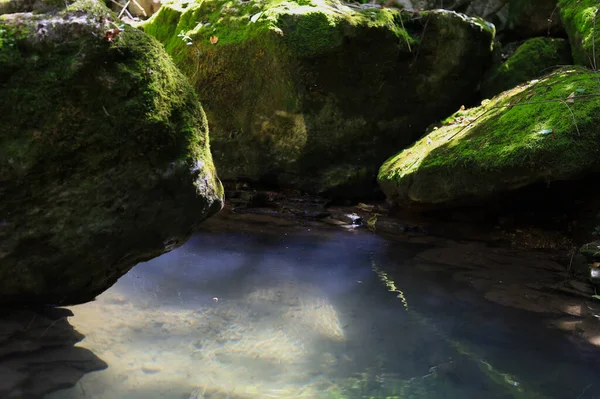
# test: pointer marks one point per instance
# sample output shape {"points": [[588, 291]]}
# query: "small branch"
{"points": [[550, 19], [140, 7], [421, 41], [573, 115], [124, 9]]}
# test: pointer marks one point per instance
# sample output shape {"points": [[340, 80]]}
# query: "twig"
{"points": [[105, 111], [421, 41], [584, 389], [51, 324], [571, 262], [404, 29], [573, 115], [142, 8], [124, 9], [550, 19]]}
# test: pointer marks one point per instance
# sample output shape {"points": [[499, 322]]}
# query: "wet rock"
{"points": [[481, 153], [348, 218], [104, 155], [37, 355], [298, 75]]}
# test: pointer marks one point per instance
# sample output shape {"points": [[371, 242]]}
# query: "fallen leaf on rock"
{"points": [[111, 34]]}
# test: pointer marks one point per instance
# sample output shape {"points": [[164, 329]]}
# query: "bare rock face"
{"points": [[37, 353], [104, 153]]}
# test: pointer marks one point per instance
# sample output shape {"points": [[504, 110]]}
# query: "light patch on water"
{"points": [[269, 345]]}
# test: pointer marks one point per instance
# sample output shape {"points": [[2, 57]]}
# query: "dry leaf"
{"points": [[571, 98], [111, 34], [213, 40]]}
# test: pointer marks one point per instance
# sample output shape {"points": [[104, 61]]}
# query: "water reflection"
{"points": [[299, 315]]}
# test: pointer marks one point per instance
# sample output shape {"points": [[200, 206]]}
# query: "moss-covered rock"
{"points": [[591, 251], [533, 58], [313, 94], [578, 18], [545, 130], [104, 154]]}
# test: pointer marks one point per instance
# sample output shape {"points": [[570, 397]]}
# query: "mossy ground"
{"points": [[584, 34], [543, 130], [533, 58]]}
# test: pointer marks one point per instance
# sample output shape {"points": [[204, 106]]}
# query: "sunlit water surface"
{"points": [[314, 314]]}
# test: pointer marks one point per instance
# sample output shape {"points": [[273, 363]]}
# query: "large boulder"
{"points": [[314, 94], [579, 18], [517, 19], [545, 130], [104, 153], [531, 59]]}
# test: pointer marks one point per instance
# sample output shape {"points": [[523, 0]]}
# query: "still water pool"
{"points": [[275, 312]]}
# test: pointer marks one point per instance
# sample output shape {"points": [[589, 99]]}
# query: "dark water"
{"points": [[313, 313]]}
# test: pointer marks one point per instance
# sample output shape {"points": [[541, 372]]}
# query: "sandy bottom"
{"points": [[273, 343]]}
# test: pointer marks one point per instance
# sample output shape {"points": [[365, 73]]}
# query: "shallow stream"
{"points": [[261, 311]]}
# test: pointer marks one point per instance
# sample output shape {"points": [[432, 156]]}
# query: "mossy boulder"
{"points": [[533, 58], [591, 251], [104, 154], [545, 130], [313, 94], [578, 18]]}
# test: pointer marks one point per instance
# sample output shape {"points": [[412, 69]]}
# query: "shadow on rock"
{"points": [[38, 353]]}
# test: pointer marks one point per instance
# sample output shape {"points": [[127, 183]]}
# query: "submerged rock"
{"points": [[533, 58], [313, 94], [104, 154], [545, 130], [579, 19]]}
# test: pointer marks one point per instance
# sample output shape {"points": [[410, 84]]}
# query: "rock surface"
{"points": [[545, 130], [37, 353], [518, 19], [579, 20], [313, 94], [104, 153], [531, 59]]}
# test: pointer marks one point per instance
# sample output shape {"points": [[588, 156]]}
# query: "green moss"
{"points": [[285, 84], [104, 154], [533, 58], [524, 135], [578, 18], [591, 251]]}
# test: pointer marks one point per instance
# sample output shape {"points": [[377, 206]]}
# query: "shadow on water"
{"points": [[277, 313], [37, 353]]}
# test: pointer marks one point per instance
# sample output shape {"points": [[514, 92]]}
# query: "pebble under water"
{"points": [[316, 312]]}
